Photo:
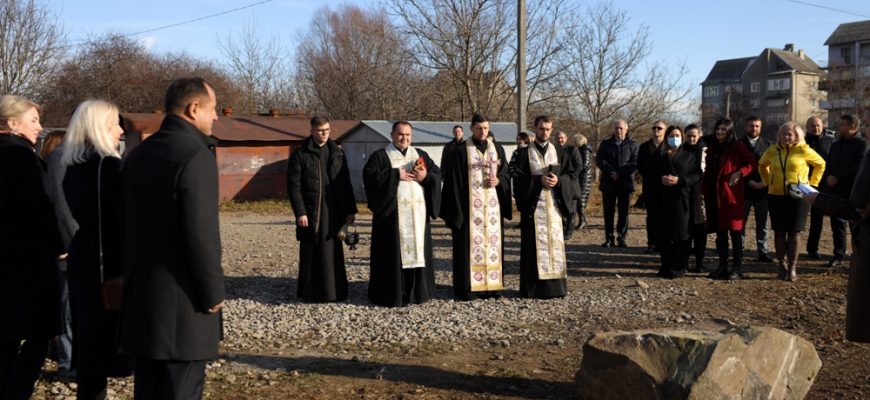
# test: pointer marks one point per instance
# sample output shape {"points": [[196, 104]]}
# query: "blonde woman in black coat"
{"points": [[30, 246], [676, 168], [92, 188]]}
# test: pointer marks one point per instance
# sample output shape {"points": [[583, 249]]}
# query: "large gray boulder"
{"points": [[716, 362]]}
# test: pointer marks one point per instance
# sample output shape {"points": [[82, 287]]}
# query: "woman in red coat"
{"points": [[728, 161]]}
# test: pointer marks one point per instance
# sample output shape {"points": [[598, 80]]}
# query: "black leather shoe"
{"points": [[719, 273], [764, 258], [814, 255], [650, 249], [621, 243], [835, 263], [608, 243]]}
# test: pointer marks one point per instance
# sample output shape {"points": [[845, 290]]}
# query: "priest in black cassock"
{"points": [[475, 200], [543, 190], [403, 187], [318, 183]]}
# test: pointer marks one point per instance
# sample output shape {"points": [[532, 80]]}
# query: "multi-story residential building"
{"points": [[777, 86], [848, 68]]}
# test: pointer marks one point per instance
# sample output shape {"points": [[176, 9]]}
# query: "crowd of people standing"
{"points": [[139, 245]]}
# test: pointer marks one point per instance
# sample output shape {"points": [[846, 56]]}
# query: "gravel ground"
{"points": [[278, 347]]}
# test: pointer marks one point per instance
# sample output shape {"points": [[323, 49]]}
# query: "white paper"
{"points": [[806, 188]]}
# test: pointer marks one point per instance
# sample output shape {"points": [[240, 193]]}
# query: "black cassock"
{"points": [[454, 212], [527, 190], [389, 284]]}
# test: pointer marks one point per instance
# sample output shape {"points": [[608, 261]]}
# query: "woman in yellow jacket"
{"points": [[787, 163]]}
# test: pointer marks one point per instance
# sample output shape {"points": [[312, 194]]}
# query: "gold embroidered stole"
{"points": [[549, 240], [411, 204], [485, 239]]}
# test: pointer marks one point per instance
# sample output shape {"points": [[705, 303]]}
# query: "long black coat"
{"points": [[621, 158], [757, 151], [673, 206], [843, 160], [645, 154], [29, 246], [96, 329], [858, 298], [304, 175], [576, 165], [172, 246], [389, 284]]}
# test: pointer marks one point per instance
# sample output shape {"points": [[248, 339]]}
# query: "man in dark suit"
{"points": [[617, 159], [844, 159], [755, 195], [174, 285], [820, 139]]}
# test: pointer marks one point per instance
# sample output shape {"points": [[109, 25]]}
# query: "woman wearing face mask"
{"points": [[788, 163], [30, 245], [676, 168], [92, 187], [728, 161]]}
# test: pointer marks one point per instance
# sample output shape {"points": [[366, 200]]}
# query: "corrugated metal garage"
{"points": [[369, 135]]}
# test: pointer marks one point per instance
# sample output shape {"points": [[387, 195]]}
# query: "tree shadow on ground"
{"points": [[422, 375], [282, 290]]}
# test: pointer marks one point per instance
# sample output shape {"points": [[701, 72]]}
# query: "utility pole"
{"points": [[521, 65]]}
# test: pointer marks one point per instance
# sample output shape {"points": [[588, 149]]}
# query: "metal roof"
{"points": [[243, 128], [794, 60], [728, 70], [440, 132], [849, 33]]}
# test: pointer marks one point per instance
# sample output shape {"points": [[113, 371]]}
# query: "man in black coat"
{"points": [[845, 157], [819, 139], [575, 159], [174, 285], [318, 183], [617, 160], [458, 141], [647, 152], [755, 193]]}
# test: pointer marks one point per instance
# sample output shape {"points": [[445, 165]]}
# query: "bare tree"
{"points": [[119, 69], [353, 62], [31, 43], [614, 78], [259, 66], [470, 47]]}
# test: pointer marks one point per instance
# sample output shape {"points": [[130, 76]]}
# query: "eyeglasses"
{"points": [[658, 128]]}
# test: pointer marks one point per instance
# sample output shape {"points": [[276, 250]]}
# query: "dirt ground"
{"points": [[813, 308], [260, 257]]}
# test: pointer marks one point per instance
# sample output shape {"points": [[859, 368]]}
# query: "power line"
{"points": [[173, 25], [160, 28], [824, 7]]}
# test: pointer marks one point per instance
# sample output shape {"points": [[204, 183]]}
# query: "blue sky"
{"points": [[699, 32]]}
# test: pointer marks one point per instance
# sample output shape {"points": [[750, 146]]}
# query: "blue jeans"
{"points": [[760, 223]]}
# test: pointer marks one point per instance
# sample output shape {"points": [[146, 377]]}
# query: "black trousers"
{"points": [[838, 228], [736, 246], [610, 205], [168, 379], [91, 387], [699, 243], [20, 364], [675, 256]]}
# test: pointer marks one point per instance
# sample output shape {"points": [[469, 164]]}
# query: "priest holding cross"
{"points": [[403, 187]]}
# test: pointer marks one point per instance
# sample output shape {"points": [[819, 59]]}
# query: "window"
{"points": [[864, 56], [846, 55], [737, 88], [775, 103], [779, 84], [755, 87], [711, 91], [777, 119], [755, 103]]}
